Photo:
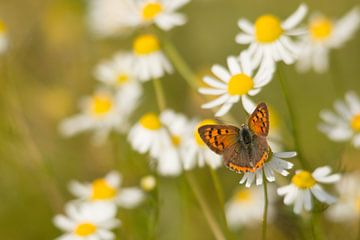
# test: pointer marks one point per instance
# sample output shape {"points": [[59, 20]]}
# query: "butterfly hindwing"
{"points": [[259, 120], [219, 137]]}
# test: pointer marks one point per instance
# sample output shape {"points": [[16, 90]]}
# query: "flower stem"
{"points": [[159, 92], [293, 122], [214, 226], [266, 203]]}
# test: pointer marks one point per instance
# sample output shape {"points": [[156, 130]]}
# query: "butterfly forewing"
{"points": [[219, 137], [259, 120]]}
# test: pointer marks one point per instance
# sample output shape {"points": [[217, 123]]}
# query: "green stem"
{"points": [[293, 122], [214, 226], [159, 92], [335, 76], [266, 203], [315, 227]]}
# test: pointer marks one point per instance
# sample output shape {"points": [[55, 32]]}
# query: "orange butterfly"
{"points": [[244, 149]]}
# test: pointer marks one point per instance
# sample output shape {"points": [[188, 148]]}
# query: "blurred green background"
{"points": [[49, 66]]}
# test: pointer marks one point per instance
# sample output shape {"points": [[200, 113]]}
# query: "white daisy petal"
{"points": [[293, 20], [216, 102], [221, 72]]}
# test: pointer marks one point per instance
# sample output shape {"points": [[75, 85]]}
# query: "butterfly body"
{"points": [[243, 149]]}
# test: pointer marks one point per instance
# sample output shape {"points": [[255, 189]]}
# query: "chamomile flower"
{"points": [[107, 189], [348, 205], [160, 12], [245, 208], [149, 61], [197, 153], [270, 39], [275, 163], [101, 112], [117, 73], [109, 17], [87, 221], [323, 35], [344, 124], [3, 37], [234, 84], [148, 183], [304, 184]]}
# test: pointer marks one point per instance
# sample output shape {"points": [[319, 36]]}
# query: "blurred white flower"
{"points": [[149, 61], [87, 221], [196, 153], [304, 184], [148, 183], [109, 17], [102, 113], [245, 208], [160, 12], [118, 73], [108, 189], [239, 82], [3, 37], [325, 34], [275, 163], [270, 39], [348, 205], [344, 125]]}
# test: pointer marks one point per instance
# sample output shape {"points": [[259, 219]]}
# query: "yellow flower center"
{"points": [[100, 105], [198, 139], [151, 10], [321, 28], [240, 84], [146, 44], [355, 123], [2, 27], [303, 180], [357, 204], [101, 190], [176, 140], [121, 79], [148, 183], [243, 196], [150, 121], [268, 29], [85, 229]]}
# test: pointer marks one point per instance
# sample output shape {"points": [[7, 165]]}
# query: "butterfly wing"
{"points": [[219, 137], [259, 120]]}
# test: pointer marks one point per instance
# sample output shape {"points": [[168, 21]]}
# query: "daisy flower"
{"points": [[107, 189], [3, 37], [87, 221], [197, 153], [344, 124], [245, 208], [304, 184], [101, 112], [160, 12], [348, 205], [270, 39], [325, 34], [275, 163], [234, 84], [148, 183], [117, 73], [149, 61]]}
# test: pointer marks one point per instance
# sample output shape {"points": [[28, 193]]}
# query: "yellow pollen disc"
{"points": [[355, 123], [151, 10], [101, 190], [150, 121], [303, 180], [268, 29], [240, 84], [146, 44], [320, 28], [2, 27], [100, 105], [243, 196], [198, 139], [85, 229], [176, 140], [122, 78]]}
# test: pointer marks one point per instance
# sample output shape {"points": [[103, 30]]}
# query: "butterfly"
{"points": [[244, 149]]}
